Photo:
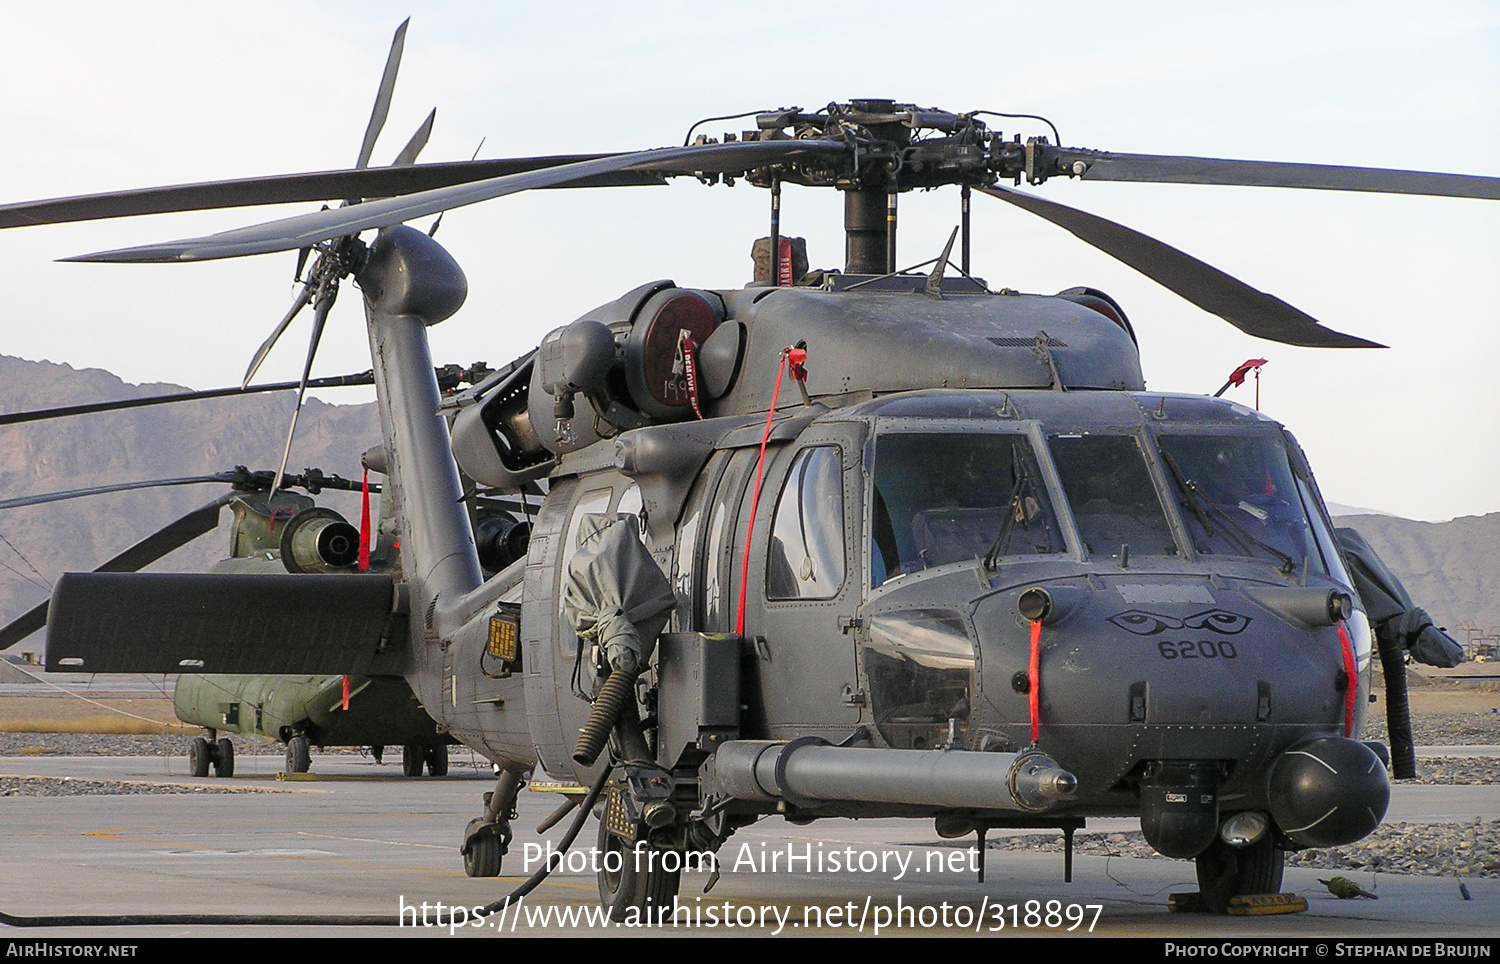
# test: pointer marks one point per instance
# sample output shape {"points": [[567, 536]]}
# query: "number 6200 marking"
{"points": [[1202, 649]]}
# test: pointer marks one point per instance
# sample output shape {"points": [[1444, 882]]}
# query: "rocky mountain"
{"points": [[190, 438], [1451, 569]]}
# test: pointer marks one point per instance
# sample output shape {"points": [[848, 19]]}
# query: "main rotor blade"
{"points": [[38, 415], [223, 478], [173, 535], [408, 155], [1158, 168], [298, 303], [309, 229], [382, 106], [1248, 309], [290, 188]]}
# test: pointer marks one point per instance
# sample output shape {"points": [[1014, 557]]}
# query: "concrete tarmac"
{"points": [[360, 839]]}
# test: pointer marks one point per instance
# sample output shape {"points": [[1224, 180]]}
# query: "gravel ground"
{"points": [[89, 744], [1433, 850], [1440, 729], [73, 787]]}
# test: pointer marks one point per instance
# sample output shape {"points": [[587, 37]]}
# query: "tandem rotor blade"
{"points": [[223, 478], [38, 415], [309, 229], [1248, 309], [174, 535], [1165, 169]]}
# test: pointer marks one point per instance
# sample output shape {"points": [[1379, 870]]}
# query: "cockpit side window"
{"points": [[1239, 498], [1113, 499], [943, 497], [806, 559]]}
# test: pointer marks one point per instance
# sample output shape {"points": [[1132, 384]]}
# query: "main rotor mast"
{"points": [[894, 148]]}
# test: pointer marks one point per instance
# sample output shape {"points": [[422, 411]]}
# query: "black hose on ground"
{"points": [[585, 810]]}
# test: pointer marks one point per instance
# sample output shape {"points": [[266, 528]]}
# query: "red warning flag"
{"points": [[1237, 377]]}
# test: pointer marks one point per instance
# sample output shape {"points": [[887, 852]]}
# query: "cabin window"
{"points": [[806, 558], [720, 572], [1110, 491], [920, 667], [955, 497]]}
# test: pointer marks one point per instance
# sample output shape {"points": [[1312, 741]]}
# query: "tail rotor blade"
{"points": [[326, 295], [303, 297], [408, 155], [383, 97]]}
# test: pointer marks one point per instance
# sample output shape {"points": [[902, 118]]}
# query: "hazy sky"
{"points": [[106, 96]]}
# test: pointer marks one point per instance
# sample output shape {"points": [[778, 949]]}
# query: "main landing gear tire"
{"points": [[436, 758], [647, 888], [1225, 871], [224, 758], [412, 759], [482, 859], [298, 755], [200, 755]]}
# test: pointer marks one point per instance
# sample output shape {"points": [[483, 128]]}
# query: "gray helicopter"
{"points": [[849, 543]]}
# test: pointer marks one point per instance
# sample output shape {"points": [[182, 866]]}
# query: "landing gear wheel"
{"points": [[648, 887], [224, 758], [412, 759], [436, 758], [298, 755], [482, 859], [1225, 871], [200, 754]]}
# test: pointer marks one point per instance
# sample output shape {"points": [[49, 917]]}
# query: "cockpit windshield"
{"points": [[1239, 498], [1113, 499], [943, 497], [951, 497]]}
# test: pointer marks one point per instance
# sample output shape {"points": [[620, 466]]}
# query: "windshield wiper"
{"points": [[1014, 509], [1198, 503]]}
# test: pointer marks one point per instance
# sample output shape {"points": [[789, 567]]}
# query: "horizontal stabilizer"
{"points": [[102, 622]]}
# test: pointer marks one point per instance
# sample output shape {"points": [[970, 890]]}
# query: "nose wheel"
{"points": [[487, 838], [1225, 872], [631, 878]]}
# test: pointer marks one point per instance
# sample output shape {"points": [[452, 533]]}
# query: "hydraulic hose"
{"points": [[617, 689], [1397, 708]]}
